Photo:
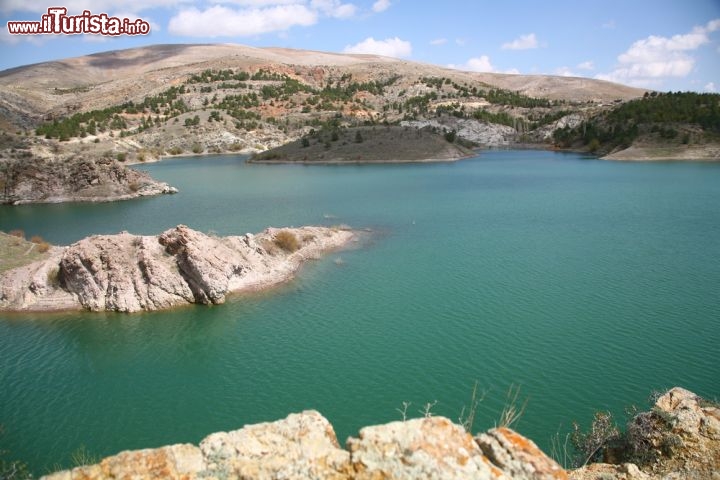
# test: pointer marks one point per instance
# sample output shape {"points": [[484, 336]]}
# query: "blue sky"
{"points": [[659, 44]]}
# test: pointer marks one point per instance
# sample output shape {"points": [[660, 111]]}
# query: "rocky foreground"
{"points": [[304, 446], [130, 273]]}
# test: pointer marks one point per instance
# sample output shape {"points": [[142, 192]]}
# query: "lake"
{"points": [[587, 283]]}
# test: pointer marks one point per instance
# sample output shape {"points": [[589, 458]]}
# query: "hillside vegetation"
{"points": [[661, 118], [195, 99]]}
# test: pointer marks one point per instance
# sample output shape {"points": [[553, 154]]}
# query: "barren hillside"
{"points": [[30, 93]]}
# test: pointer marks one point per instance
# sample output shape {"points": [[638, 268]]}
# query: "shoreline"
{"points": [[359, 162], [648, 155]]}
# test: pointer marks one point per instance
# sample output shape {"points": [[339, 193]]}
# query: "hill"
{"points": [[142, 104], [376, 144], [671, 126], [147, 102]]}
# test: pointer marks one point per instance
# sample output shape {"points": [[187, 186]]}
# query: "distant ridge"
{"points": [[104, 79]]}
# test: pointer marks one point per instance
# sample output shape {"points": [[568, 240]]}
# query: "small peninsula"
{"points": [[371, 144], [131, 273]]}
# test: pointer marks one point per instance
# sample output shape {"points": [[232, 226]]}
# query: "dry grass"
{"points": [[512, 411], [15, 251], [42, 245], [467, 415], [286, 240]]}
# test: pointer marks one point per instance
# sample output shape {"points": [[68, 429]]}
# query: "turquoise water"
{"points": [[587, 283]]}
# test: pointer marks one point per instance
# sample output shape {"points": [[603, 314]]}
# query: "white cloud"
{"points": [[258, 3], [481, 64], [565, 72], [657, 57], [524, 42], [390, 47], [609, 24], [438, 41], [219, 21], [334, 8], [460, 41], [710, 87], [381, 5], [75, 7]]}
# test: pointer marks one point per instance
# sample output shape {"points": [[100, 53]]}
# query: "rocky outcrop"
{"points": [[545, 132], [304, 446], [518, 456], [430, 447], [130, 273], [481, 133], [44, 180], [679, 438]]}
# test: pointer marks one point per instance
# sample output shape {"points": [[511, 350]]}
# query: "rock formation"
{"points": [[130, 273], [45, 180], [304, 446], [678, 439], [482, 133]]}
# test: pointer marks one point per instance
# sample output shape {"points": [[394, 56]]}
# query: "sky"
{"points": [[666, 45]]}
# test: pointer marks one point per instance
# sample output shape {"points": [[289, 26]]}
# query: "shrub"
{"points": [[286, 240], [590, 446], [17, 233], [37, 239], [53, 276], [121, 156], [197, 148], [175, 151]]}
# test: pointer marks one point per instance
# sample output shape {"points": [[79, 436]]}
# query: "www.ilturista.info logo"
{"points": [[57, 21]]}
